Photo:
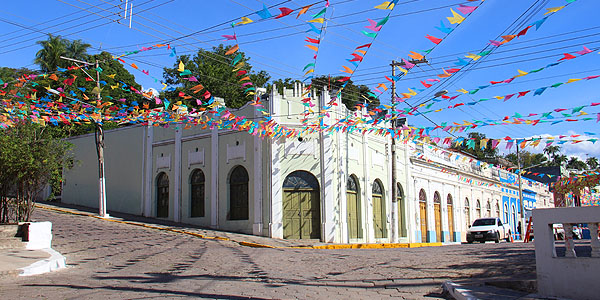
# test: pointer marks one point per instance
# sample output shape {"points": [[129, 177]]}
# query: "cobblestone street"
{"points": [[109, 260]]}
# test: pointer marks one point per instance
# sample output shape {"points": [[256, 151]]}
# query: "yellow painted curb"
{"points": [[250, 244]]}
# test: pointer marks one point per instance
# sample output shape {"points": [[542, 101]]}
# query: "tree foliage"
{"points": [[214, 71], [528, 159], [31, 156], [352, 94], [575, 163], [485, 154], [48, 58]]}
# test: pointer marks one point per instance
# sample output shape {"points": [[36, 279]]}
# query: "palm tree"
{"points": [[48, 58], [552, 151], [592, 162], [575, 163], [77, 49]]}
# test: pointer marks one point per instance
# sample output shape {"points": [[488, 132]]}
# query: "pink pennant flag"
{"points": [[508, 80], [591, 77], [509, 145], [597, 117], [433, 80], [229, 37], [373, 25], [508, 97], [495, 43], [495, 144], [465, 10], [407, 64], [584, 51]]}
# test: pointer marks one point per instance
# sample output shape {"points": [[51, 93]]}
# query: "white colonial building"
{"points": [[333, 186]]}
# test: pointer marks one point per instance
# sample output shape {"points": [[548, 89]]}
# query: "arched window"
{"points": [[238, 194], [162, 195], [467, 213], [401, 210], [449, 200], [197, 193], [422, 196], [488, 207], [478, 209], [351, 185], [497, 209], [437, 198], [506, 219], [379, 215], [353, 208]]}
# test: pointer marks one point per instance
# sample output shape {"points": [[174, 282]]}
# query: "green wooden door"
{"points": [[379, 216], [353, 215], [301, 215]]}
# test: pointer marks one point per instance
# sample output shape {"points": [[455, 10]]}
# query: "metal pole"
{"points": [[99, 136], [394, 180], [100, 148], [520, 193]]}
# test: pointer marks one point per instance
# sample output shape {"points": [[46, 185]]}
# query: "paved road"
{"points": [[109, 260]]}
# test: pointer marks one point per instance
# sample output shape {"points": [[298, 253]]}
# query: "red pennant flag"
{"points": [[426, 85], [523, 32], [344, 79], [363, 46], [315, 41], [567, 56], [521, 94], [433, 39], [284, 12]]}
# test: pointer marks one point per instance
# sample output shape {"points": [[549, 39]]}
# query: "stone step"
{"points": [[8, 230], [12, 243]]}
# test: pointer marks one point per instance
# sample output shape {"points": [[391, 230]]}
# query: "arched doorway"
{"points": [[197, 193], [162, 195], [353, 208], [497, 209], [437, 214], [488, 207], [238, 194], [514, 219], [379, 220], [450, 217], [467, 214], [301, 206], [401, 211], [478, 209], [423, 214]]}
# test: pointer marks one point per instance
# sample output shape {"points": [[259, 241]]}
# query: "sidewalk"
{"points": [[25, 262], [240, 238]]}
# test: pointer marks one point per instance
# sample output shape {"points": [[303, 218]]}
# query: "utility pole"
{"points": [[394, 180], [99, 137], [521, 232]]}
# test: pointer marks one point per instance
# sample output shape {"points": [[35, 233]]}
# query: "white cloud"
{"points": [[582, 150]]}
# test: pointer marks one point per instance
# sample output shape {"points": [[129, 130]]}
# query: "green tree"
{"points": [[213, 70], [486, 154], [48, 58], [592, 162], [528, 159], [575, 163], [352, 94], [31, 156]]}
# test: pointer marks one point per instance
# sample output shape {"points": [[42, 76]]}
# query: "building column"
{"points": [[257, 226], [177, 179], [328, 189], [276, 216], [148, 178], [214, 177]]}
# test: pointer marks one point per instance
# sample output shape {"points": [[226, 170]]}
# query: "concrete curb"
{"points": [[249, 244], [457, 291], [55, 262]]}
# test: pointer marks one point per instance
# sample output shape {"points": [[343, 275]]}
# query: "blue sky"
{"points": [[277, 46]]}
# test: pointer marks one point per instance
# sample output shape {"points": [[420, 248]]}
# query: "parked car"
{"points": [[488, 229], [559, 232]]}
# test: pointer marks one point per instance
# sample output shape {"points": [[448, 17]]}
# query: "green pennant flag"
{"points": [[484, 53], [578, 109], [237, 58], [369, 34], [557, 84], [383, 21], [535, 71], [322, 12]]}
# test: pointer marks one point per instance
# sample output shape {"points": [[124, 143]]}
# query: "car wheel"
{"points": [[470, 242], [497, 239], [508, 237]]}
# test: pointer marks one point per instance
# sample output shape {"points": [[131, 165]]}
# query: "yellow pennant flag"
{"points": [[181, 67], [473, 56], [309, 71], [462, 91], [572, 80], [232, 50], [245, 20], [456, 18], [363, 52], [402, 69], [499, 97], [111, 76], [385, 5], [521, 73], [553, 9], [318, 20]]}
